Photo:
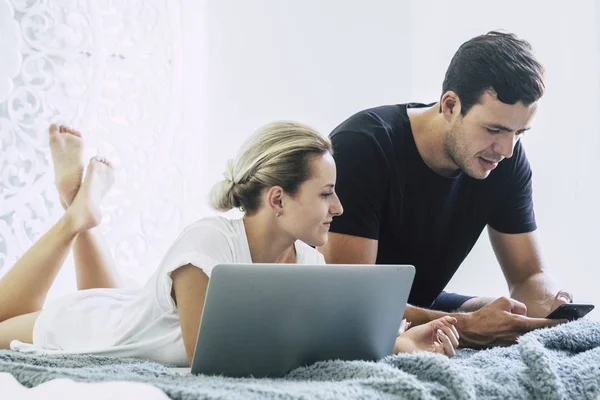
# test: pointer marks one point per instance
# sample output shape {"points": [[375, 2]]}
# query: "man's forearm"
{"points": [[419, 316], [475, 303], [440, 308], [537, 292]]}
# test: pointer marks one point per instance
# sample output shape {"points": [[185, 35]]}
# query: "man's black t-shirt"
{"points": [[418, 216]]}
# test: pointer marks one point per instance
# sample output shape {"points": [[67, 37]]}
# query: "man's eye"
{"points": [[493, 130]]}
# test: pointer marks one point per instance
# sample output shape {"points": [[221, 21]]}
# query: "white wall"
{"points": [[319, 62], [311, 61], [202, 75]]}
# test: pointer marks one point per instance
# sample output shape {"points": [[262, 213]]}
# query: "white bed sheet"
{"points": [[67, 389]]}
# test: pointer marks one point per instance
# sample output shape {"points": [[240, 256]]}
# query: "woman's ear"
{"points": [[274, 198]]}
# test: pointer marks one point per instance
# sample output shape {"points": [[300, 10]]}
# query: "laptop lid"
{"points": [[267, 319]]}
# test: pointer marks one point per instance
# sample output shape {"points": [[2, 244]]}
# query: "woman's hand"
{"points": [[438, 336]]}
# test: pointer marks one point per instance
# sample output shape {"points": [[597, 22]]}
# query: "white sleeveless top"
{"points": [[144, 322]]}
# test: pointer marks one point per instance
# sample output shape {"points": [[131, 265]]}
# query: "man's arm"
{"points": [[520, 258], [348, 249], [475, 303], [449, 302], [499, 322]]}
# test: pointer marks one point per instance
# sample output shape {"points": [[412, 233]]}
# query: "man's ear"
{"points": [[451, 106]]}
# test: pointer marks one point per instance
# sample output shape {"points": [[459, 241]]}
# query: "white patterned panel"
{"points": [[111, 69]]}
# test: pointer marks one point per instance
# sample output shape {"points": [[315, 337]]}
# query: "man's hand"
{"points": [[438, 336], [499, 323], [529, 282], [561, 298]]}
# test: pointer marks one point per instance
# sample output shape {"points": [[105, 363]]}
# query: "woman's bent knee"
{"points": [[17, 328]]}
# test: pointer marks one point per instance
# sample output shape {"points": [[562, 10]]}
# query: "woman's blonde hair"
{"points": [[278, 154]]}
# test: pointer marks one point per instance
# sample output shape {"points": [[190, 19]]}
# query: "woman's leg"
{"points": [[94, 265], [17, 328], [24, 288]]}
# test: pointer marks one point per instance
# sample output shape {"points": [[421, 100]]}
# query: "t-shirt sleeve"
{"points": [[203, 246], [362, 184], [449, 302], [515, 213]]}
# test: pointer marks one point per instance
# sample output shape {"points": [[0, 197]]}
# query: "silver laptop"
{"points": [[263, 320]]}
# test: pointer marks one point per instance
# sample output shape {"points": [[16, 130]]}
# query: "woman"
{"points": [[283, 179]]}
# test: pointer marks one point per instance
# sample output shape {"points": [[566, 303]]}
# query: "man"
{"points": [[420, 182]]}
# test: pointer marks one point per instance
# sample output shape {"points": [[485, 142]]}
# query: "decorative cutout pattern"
{"points": [[110, 69]]}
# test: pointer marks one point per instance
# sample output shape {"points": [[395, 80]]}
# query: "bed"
{"points": [[557, 363]]}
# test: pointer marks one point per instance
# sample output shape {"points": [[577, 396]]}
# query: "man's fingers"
{"points": [[565, 295], [517, 307], [562, 297]]}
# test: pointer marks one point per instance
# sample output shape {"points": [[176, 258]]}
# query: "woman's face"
{"points": [[308, 214]]}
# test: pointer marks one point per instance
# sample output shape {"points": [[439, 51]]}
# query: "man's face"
{"points": [[487, 134]]}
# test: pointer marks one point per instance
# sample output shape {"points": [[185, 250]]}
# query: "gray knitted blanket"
{"points": [[557, 363]]}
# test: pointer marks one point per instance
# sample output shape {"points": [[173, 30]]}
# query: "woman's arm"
{"points": [[189, 291]]}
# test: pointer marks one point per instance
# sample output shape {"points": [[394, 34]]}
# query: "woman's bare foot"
{"points": [[84, 213], [66, 146]]}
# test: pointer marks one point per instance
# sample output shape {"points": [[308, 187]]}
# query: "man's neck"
{"points": [[429, 129]]}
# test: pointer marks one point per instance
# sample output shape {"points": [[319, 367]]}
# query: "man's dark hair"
{"points": [[499, 62]]}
